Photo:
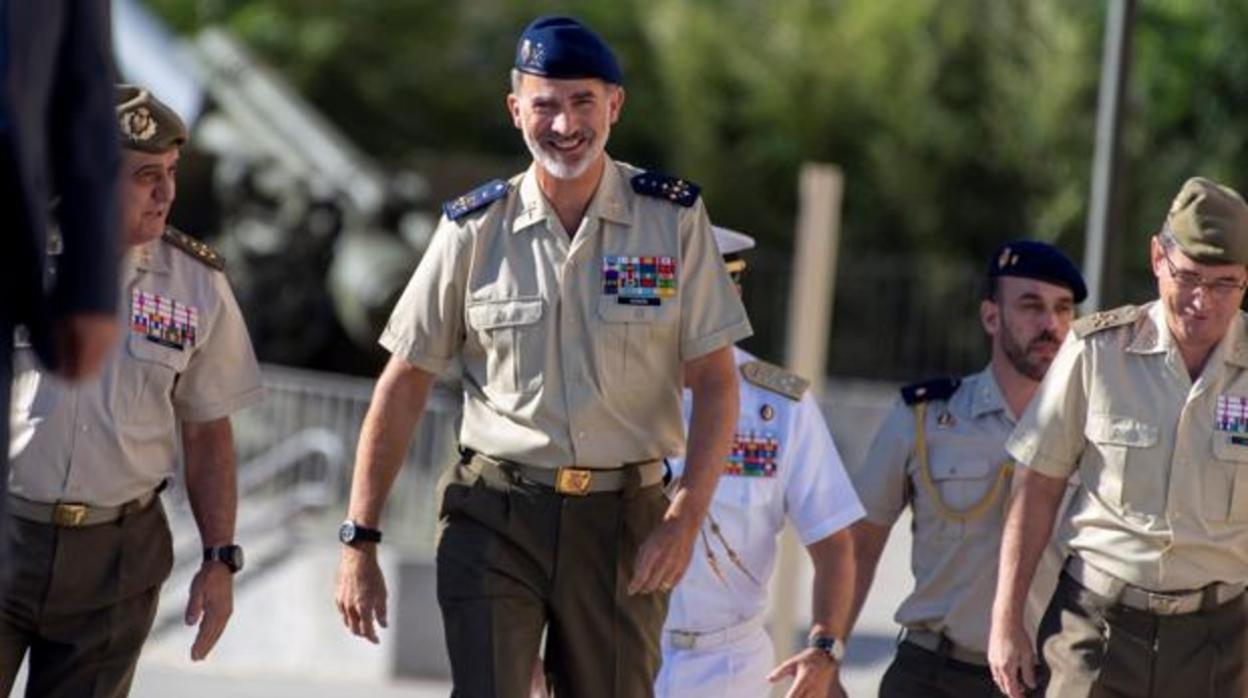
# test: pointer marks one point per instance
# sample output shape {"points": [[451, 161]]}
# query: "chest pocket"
{"points": [[1121, 443], [637, 343], [511, 335], [1226, 488], [960, 488], [145, 379]]}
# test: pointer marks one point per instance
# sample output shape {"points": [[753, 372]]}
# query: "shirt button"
{"points": [[580, 435], [83, 427]]}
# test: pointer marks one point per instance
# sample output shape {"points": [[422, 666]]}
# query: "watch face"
{"points": [[831, 646], [236, 558], [346, 532]]}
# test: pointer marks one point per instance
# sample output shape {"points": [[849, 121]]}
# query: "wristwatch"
{"points": [[831, 646], [350, 532], [230, 555]]}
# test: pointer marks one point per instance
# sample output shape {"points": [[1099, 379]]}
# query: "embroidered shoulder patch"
{"points": [[1091, 324], [476, 199], [199, 250], [774, 378], [936, 389], [661, 186]]}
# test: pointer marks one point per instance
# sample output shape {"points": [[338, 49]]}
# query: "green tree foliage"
{"points": [[958, 123]]}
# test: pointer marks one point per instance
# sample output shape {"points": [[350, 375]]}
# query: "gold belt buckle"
{"points": [[69, 515], [573, 481]]}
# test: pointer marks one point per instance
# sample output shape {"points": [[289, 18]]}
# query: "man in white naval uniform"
{"points": [[784, 466]]}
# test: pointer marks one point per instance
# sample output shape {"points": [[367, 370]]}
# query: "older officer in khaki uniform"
{"points": [[941, 451], [580, 296], [92, 544], [1147, 404]]}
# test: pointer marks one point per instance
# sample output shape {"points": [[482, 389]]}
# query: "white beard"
{"points": [[566, 170]]}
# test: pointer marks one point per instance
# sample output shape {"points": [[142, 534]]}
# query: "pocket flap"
{"points": [[489, 315], [1122, 431], [145, 349], [610, 309], [1230, 447]]}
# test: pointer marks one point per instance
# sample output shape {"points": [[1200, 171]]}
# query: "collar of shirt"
{"points": [[151, 256], [1153, 337], [987, 397], [610, 201]]}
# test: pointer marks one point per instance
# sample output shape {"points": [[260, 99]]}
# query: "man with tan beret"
{"points": [[92, 545], [1149, 404]]}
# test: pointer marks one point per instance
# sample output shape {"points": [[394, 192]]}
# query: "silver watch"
{"points": [[831, 646]]}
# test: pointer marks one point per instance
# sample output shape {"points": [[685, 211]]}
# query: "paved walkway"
{"points": [[286, 641]]}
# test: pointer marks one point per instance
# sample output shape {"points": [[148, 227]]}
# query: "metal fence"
{"points": [[296, 448]]}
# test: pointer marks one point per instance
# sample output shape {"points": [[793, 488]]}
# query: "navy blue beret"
{"points": [[1037, 260], [564, 49]]}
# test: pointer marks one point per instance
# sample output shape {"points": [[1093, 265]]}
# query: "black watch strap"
{"points": [[229, 555], [350, 532]]}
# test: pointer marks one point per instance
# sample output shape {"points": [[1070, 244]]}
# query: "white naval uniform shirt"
{"points": [[808, 486]]}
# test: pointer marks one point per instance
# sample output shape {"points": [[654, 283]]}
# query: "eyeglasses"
{"points": [[1190, 280]]}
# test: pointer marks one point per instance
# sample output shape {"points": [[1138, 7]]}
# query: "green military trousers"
{"points": [[1096, 647], [514, 559], [80, 602]]}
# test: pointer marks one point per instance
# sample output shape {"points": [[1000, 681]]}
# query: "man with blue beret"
{"points": [[578, 297], [941, 452]]}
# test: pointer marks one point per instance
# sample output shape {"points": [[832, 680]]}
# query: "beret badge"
{"points": [[138, 124]]}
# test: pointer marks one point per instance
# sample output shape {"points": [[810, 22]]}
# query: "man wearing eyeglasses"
{"points": [[1149, 404]]}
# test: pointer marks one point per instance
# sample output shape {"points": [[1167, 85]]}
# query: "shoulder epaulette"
{"points": [[476, 199], [774, 378], [1090, 324], [661, 186], [199, 250], [936, 389]]}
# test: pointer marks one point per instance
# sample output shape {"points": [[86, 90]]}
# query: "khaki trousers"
{"points": [[1096, 647], [515, 559], [81, 601]]}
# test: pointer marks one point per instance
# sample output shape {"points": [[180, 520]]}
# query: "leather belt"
{"points": [[942, 645], [1169, 603], [710, 639], [75, 514], [577, 481]]}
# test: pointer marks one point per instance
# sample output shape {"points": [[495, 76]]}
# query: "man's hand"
{"points": [[815, 675], [361, 593], [211, 603], [1010, 654], [664, 556], [82, 341]]}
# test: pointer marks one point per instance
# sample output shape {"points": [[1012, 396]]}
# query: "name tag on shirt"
{"points": [[639, 280], [163, 320], [753, 455]]}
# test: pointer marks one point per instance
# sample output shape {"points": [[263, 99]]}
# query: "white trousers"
{"points": [[733, 670]]}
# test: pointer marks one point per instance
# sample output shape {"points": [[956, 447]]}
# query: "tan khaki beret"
{"points": [[146, 123], [1210, 222]]}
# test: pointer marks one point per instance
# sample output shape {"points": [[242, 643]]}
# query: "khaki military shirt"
{"points": [[1164, 461], [184, 357], [954, 563], [557, 369]]}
